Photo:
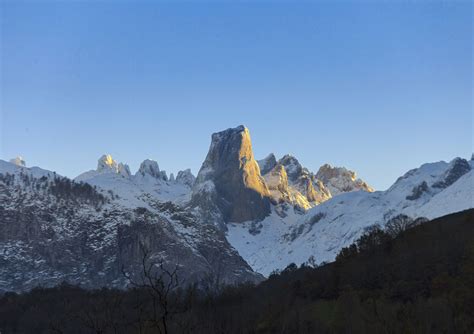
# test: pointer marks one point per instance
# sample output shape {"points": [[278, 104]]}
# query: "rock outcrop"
{"points": [[290, 182], [292, 166], [149, 167], [229, 182], [281, 191], [341, 180], [19, 161], [457, 168], [186, 177], [267, 163], [304, 189], [107, 164]]}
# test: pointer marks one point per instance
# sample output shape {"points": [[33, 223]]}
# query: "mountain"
{"points": [[229, 185], [292, 183], [341, 180], [148, 181], [53, 229], [237, 219], [430, 191], [19, 161], [417, 280], [232, 186]]}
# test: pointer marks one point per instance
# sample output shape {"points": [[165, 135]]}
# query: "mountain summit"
{"points": [[230, 179], [340, 180], [107, 164], [273, 212], [19, 161], [150, 167]]}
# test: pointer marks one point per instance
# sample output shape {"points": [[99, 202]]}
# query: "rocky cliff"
{"points": [[229, 183]]}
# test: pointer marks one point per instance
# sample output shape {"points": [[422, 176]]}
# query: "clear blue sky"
{"points": [[379, 87]]}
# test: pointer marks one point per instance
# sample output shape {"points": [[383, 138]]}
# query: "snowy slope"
{"points": [[455, 198], [338, 222], [53, 229], [135, 190], [14, 168]]}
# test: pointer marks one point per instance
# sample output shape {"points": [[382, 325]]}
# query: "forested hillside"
{"points": [[411, 277]]}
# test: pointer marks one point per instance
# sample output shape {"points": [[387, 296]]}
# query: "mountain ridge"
{"points": [[261, 215]]}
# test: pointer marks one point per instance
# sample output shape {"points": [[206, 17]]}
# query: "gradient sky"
{"points": [[379, 87]]}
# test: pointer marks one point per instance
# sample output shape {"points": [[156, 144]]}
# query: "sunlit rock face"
{"points": [[281, 191], [292, 166], [340, 180], [302, 188], [304, 181], [19, 161], [314, 190], [107, 164], [230, 179]]}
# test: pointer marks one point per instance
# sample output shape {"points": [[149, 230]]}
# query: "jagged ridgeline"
{"points": [[233, 187], [238, 220], [53, 229]]}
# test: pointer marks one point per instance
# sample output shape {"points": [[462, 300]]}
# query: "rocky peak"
{"points": [[292, 166], [150, 167], [186, 177], [457, 168], [288, 180], [340, 179], [107, 164], [19, 161], [267, 163], [282, 190], [230, 178], [163, 175], [277, 179], [313, 189], [327, 172], [123, 170]]}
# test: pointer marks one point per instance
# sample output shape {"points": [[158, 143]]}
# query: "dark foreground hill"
{"points": [[419, 281]]}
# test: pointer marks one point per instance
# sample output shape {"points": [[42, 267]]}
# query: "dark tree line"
{"points": [[407, 278], [64, 188], [60, 187]]}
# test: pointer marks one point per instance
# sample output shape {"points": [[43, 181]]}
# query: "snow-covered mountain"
{"points": [[233, 187], [238, 214], [53, 229], [341, 180], [430, 191], [148, 181], [290, 182]]}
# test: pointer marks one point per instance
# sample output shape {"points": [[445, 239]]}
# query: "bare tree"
{"points": [[398, 224], [312, 262], [161, 283]]}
